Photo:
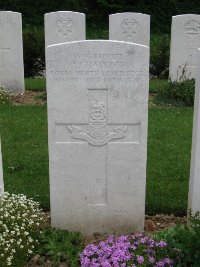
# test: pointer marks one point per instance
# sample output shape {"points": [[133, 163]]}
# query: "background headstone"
{"points": [[194, 185], [1, 172], [130, 27], [185, 39], [97, 118], [11, 52], [64, 26]]}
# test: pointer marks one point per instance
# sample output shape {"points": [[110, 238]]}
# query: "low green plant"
{"points": [[20, 222], [187, 239], [42, 96], [4, 96], [178, 93], [61, 246]]}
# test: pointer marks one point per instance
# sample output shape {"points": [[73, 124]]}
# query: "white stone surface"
{"points": [[97, 124], [194, 185], [64, 26], [11, 52], [130, 27], [1, 172], [185, 39]]}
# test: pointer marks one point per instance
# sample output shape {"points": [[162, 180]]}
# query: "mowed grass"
{"points": [[25, 155], [35, 84], [25, 151], [169, 152], [39, 84]]}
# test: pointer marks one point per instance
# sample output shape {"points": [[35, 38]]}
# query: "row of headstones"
{"points": [[97, 96], [97, 126], [66, 26]]}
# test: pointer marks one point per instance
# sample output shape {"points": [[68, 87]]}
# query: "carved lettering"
{"points": [[96, 68], [118, 212]]}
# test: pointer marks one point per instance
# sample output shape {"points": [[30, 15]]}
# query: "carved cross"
{"points": [[99, 134]]}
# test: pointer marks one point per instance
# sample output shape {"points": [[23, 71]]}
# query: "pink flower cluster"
{"points": [[131, 250]]}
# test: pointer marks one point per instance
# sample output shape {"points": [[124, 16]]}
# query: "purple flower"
{"points": [[140, 259], [151, 259], [125, 250], [162, 244]]}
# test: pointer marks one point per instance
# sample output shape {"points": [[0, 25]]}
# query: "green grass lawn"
{"points": [[169, 150], [39, 84], [25, 155], [35, 84], [25, 152]]}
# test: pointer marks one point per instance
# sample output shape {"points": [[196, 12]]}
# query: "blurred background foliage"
{"points": [[98, 10]]}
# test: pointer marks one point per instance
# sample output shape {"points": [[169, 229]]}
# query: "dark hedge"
{"points": [[161, 11]]}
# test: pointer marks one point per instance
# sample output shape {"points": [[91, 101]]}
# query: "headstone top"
{"points": [[98, 41], [65, 12], [185, 15], [83, 57], [64, 26], [9, 11], [190, 24], [11, 52], [185, 39], [130, 27]]}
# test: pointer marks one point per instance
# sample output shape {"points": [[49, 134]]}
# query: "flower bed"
{"points": [[20, 220], [131, 250]]}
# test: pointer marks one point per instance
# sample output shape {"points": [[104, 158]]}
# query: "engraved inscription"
{"points": [[116, 212], [192, 28], [129, 27], [64, 25], [97, 133], [95, 68]]}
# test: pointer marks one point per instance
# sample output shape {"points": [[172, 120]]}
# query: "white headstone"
{"points": [[1, 172], [64, 26], [194, 185], [185, 39], [130, 27], [11, 52], [97, 119]]}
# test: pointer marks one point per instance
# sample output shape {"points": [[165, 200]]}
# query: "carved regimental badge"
{"points": [[192, 28], [64, 25], [97, 133], [129, 27]]}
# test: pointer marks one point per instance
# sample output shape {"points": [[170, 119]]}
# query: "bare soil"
{"points": [[28, 98]]}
